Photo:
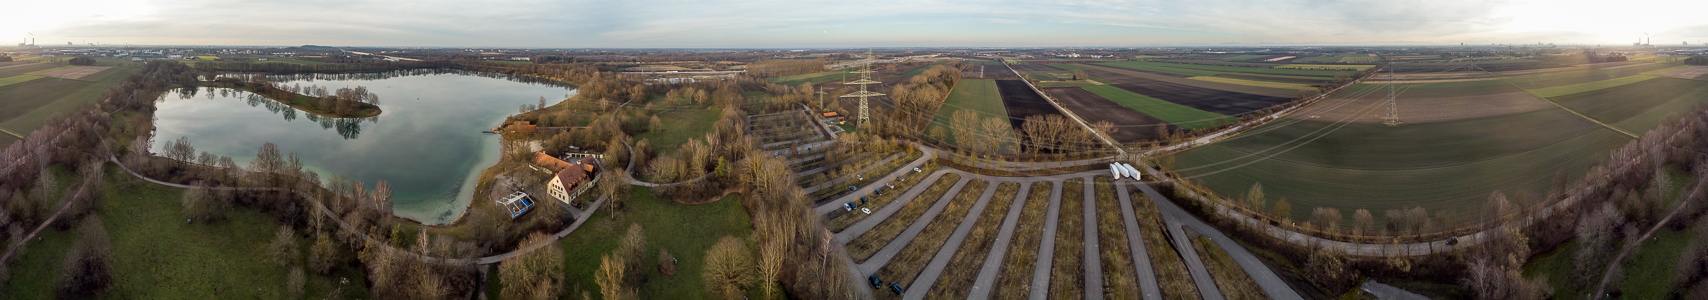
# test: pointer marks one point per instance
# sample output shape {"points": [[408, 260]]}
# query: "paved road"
{"points": [[1047, 248], [1176, 217], [934, 269], [827, 207], [993, 262], [884, 213], [1093, 259], [890, 250], [1141, 255]]}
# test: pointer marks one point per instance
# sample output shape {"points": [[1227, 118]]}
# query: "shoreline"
{"points": [[373, 110]]}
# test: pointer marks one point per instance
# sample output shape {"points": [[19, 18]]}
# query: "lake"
{"points": [[427, 144]]}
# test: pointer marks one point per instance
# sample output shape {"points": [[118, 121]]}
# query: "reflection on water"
{"points": [[349, 128], [429, 146]]}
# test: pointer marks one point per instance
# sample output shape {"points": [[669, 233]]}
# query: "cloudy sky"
{"points": [[872, 23]]}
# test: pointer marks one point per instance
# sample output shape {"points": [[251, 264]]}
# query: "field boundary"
{"points": [[1100, 136]]}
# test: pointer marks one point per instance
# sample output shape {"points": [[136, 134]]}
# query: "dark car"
{"points": [[875, 282], [879, 191], [863, 201], [896, 288]]}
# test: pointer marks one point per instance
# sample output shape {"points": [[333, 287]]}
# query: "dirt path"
{"points": [[1613, 265]]}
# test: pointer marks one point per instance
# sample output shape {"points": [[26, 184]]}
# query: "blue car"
{"points": [[875, 282], [863, 201], [879, 191], [896, 288], [848, 206]]}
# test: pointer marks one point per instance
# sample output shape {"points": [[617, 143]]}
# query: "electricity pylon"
{"points": [[1393, 117], [865, 79]]}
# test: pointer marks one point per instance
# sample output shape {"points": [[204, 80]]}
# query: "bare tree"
{"points": [[729, 268], [1362, 222], [537, 274]]}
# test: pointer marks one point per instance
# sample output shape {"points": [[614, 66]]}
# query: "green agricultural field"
{"points": [[1188, 69], [1359, 60], [17, 79], [1439, 166], [978, 95], [687, 231], [816, 78], [1256, 83], [1326, 67], [1051, 84], [1550, 92], [679, 126], [26, 69], [1176, 114], [41, 98], [1641, 106], [1245, 57]]}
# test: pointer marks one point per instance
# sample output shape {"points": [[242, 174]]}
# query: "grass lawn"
{"points": [[157, 255], [1233, 282], [978, 95], [1267, 84], [817, 78], [1119, 273], [1051, 84], [1643, 102], [679, 126], [687, 231], [1014, 279], [1569, 89], [39, 99], [1067, 272], [1176, 114]]}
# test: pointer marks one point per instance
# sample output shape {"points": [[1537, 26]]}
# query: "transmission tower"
{"points": [[1393, 117], [865, 79]]}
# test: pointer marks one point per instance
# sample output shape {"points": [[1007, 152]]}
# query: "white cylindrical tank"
{"points": [[1132, 172], [1115, 170]]}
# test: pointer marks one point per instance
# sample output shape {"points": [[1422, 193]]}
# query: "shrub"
{"points": [[729, 268], [83, 61]]}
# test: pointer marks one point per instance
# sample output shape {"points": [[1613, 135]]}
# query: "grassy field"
{"points": [[907, 264], [1326, 67], [1014, 280], [679, 126], [1172, 277], [157, 255], [687, 231], [862, 247], [1563, 90], [965, 266], [1176, 114], [1120, 276], [17, 79], [1233, 282], [1441, 165], [977, 95], [1245, 57], [1067, 273], [1638, 106], [1188, 69], [1267, 84], [39, 99], [816, 78]]}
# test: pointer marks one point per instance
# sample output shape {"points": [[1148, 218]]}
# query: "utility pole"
{"points": [[821, 104], [1393, 117], [865, 79]]}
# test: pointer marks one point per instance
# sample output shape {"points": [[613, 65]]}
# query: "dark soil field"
{"points": [[1131, 125], [1035, 67], [1258, 73], [1275, 79], [1022, 102]]}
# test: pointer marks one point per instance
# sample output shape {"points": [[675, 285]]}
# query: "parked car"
{"points": [[896, 288], [879, 191], [848, 206], [863, 201], [875, 282]]}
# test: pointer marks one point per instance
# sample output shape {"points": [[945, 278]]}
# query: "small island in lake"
{"points": [[341, 103]]}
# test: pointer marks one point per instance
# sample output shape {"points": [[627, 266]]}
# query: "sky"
{"points": [[838, 24]]}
